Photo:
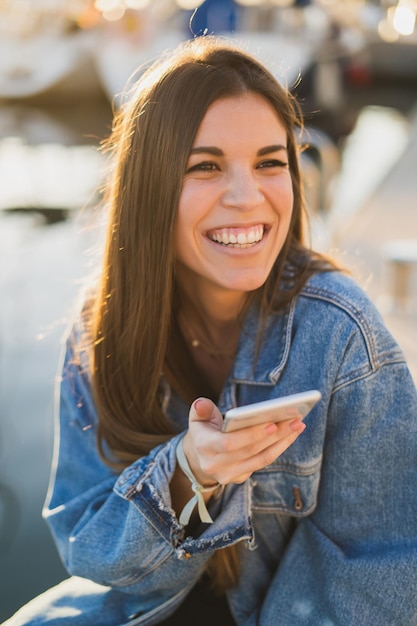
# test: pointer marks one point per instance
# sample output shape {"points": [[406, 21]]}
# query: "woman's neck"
{"points": [[214, 306], [212, 315], [210, 323]]}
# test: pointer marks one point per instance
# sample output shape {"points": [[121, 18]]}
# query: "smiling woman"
{"points": [[236, 202], [209, 298]]}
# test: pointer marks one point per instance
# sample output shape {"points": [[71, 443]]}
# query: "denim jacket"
{"points": [[327, 533]]}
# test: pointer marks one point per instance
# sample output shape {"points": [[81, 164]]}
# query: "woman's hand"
{"points": [[232, 457]]}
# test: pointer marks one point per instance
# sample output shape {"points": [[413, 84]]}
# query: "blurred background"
{"points": [[64, 65]]}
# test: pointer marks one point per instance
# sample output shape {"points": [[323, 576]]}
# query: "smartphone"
{"points": [[276, 410]]}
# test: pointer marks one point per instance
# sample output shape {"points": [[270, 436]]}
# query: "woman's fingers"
{"points": [[250, 440], [234, 456], [239, 471]]}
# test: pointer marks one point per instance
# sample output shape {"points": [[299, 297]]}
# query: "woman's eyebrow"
{"points": [[269, 149], [207, 150], [218, 152]]}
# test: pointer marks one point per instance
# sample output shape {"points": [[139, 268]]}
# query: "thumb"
{"points": [[204, 410]]}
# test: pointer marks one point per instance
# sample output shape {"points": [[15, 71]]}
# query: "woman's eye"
{"points": [[272, 163], [204, 166]]}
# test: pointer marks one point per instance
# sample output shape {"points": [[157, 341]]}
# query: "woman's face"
{"points": [[236, 200]]}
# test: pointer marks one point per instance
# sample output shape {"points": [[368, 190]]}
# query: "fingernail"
{"points": [[297, 426], [197, 403]]}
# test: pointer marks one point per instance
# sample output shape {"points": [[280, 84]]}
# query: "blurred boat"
{"points": [[41, 47], [121, 59], [33, 66], [390, 35]]}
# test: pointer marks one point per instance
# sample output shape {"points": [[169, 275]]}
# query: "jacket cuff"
{"points": [[145, 484]]}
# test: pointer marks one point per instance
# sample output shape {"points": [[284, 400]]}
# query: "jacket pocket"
{"points": [[290, 489]]}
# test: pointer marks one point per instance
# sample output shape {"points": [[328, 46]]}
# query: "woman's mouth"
{"points": [[237, 237]]}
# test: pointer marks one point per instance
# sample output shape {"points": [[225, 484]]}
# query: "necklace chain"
{"points": [[213, 352], [196, 343]]}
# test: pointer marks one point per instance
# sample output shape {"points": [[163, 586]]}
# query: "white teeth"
{"points": [[234, 239], [252, 237]]}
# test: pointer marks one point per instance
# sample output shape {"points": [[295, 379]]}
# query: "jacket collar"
{"points": [[273, 351]]}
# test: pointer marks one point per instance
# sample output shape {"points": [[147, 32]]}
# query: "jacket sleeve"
{"points": [[354, 560], [120, 530]]}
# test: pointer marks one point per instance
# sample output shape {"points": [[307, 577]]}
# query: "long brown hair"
{"points": [[131, 314]]}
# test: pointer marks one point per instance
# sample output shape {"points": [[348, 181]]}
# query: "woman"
{"points": [[208, 299]]}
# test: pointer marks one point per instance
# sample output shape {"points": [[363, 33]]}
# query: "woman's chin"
{"points": [[245, 283]]}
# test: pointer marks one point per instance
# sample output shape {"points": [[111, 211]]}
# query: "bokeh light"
{"points": [[404, 19], [137, 4], [387, 31], [189, 5], [250, 3]]}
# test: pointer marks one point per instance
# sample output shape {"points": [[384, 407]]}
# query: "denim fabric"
{"points": [[327, 533]]}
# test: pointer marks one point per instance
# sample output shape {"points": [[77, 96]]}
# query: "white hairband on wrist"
{"points": [[198, 491]]}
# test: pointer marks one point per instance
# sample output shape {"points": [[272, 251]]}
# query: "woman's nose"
{"points": [[242, 191]]}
